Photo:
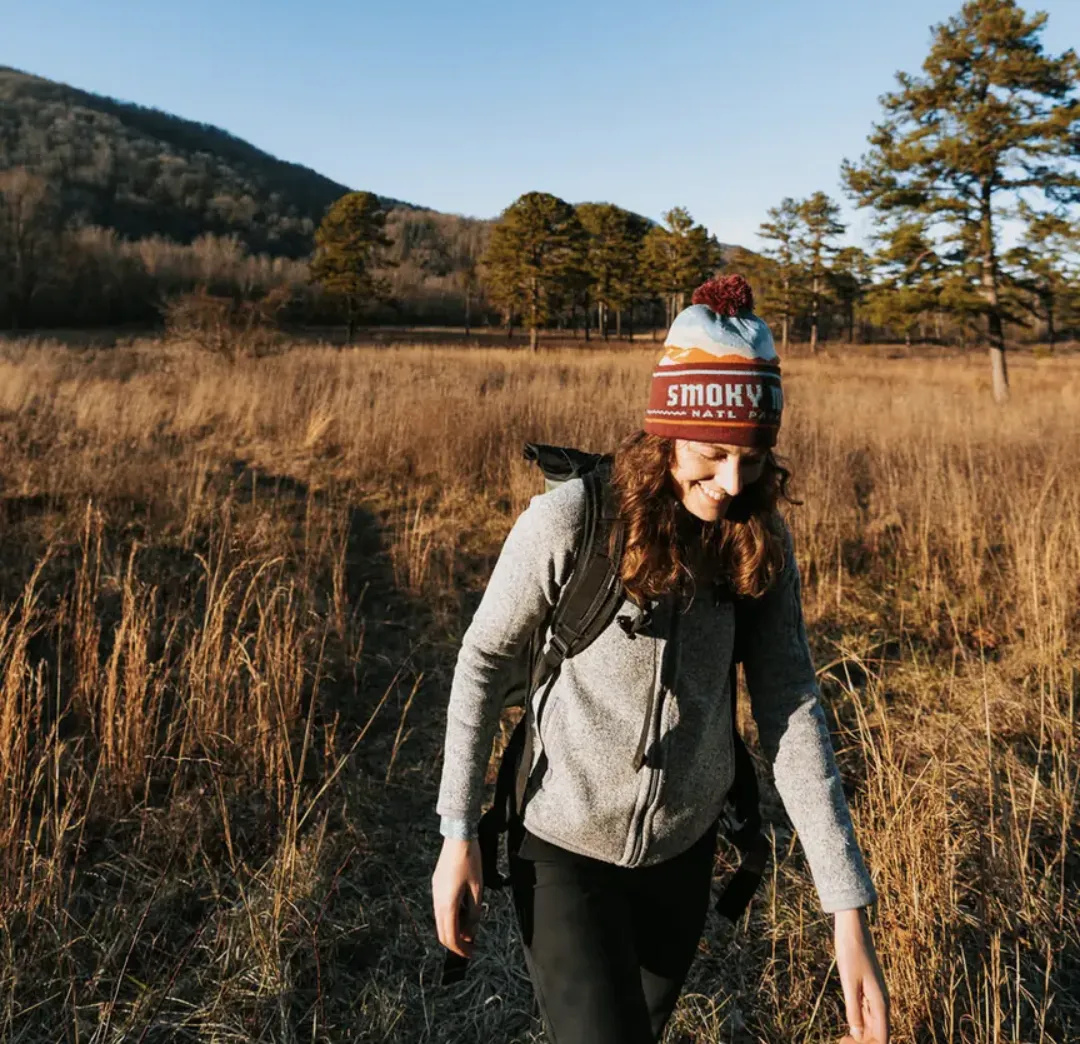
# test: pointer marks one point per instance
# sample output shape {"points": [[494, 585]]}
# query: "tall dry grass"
{"points": [[229, 604]]}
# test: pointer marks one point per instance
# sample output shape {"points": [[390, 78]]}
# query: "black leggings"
{"points": [[607, 947]]}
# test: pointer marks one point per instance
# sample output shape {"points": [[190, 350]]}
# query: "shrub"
{"points": [[227, 326]]}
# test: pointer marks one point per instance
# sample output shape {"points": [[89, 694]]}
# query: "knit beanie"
{"points": [[719, 377]]}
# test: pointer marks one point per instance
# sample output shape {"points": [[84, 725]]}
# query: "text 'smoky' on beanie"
{"points": [[719, 377]]}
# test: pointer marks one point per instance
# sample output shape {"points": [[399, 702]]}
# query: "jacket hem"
{"points": [[849, 901], [458, 829], [551, 839]]}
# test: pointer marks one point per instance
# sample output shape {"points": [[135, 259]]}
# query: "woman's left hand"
{"points": [[865, 994]]}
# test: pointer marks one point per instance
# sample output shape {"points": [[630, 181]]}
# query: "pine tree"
{"points": [[992, 114], [676, 257], [1043, 266], [762, 275], [535, 258], [909, 277], [782, 230], [850, 278], [350, 254], [959, 276], [630, 288], [611, 258], [819, 217]]}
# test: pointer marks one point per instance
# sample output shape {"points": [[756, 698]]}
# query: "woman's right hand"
{"points": [[456, 889]]}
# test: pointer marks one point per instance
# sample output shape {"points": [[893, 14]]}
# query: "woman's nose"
{"points": [[729, 478]]}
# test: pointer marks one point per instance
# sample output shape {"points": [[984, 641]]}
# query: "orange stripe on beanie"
{"points": [[719, 377]]}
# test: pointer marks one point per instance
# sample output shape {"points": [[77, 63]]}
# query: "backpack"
{"points": [[586, 606]]}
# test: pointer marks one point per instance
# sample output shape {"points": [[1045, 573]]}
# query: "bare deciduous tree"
{"points": [[28, 220]]}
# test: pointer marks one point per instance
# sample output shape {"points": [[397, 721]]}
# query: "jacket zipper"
{"points": [[671, 652]]}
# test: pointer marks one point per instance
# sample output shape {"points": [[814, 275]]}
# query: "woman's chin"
{"points": [[702, 506]]}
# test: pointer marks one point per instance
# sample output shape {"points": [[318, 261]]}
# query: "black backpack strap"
{"points": [[744, 818], [594, 590], [586, 605]]}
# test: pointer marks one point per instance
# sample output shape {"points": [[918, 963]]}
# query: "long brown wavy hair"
{"points": [[669, 550]]}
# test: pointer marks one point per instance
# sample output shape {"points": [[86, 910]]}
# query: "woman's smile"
{"points": [[716, 496]]}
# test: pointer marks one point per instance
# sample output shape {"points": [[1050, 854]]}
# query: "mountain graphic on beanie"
{"points": [[719, 326]]}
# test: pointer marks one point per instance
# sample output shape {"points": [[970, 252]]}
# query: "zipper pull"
{"points": [[643, 742]]}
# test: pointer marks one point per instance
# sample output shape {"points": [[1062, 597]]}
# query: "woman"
{"points": [[611, 880]]}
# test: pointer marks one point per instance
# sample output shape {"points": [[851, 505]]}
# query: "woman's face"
{"points": [[709, 475]]}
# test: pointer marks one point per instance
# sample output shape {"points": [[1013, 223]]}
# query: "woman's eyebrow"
{"points": [[716, 453]]}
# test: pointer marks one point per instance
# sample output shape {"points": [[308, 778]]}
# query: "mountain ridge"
{"points": [[144, 171]]}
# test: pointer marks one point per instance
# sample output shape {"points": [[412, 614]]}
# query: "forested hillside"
{"points": [[109, 208], [145, 172], [112, 213]]}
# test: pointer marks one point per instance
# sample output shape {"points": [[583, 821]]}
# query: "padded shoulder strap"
{"points": [[594, 590]]}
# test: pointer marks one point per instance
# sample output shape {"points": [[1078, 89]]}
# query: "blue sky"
{"points": [[719, 107]]}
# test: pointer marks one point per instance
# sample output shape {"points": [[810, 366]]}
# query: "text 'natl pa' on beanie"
{"points": [[719, 377]]}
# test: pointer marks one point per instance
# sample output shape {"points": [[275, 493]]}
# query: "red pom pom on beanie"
{"points": [[725, 295]]}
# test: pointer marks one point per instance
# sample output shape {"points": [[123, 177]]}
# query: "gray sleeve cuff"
{"points": [[457, 829]]}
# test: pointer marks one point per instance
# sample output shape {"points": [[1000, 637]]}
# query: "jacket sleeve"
{"points": [[534, 562], [785, 700]]}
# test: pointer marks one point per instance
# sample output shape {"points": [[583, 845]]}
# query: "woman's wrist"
{"points": [[853, 921], [456, 844]]}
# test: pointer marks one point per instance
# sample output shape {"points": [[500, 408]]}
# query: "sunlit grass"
{"points": [[229, 602]]}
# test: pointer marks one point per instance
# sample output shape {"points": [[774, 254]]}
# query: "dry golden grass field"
{"points": [[230, 600]]}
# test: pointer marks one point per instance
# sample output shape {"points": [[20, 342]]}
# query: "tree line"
{"points": [[987, 133], [594, 268], [591, 266]]}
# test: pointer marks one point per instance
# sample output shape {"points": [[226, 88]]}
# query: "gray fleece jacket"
{"points": [[591, 799]]}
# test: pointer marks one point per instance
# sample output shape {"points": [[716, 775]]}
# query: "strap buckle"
{"points": [[558, 650]]}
